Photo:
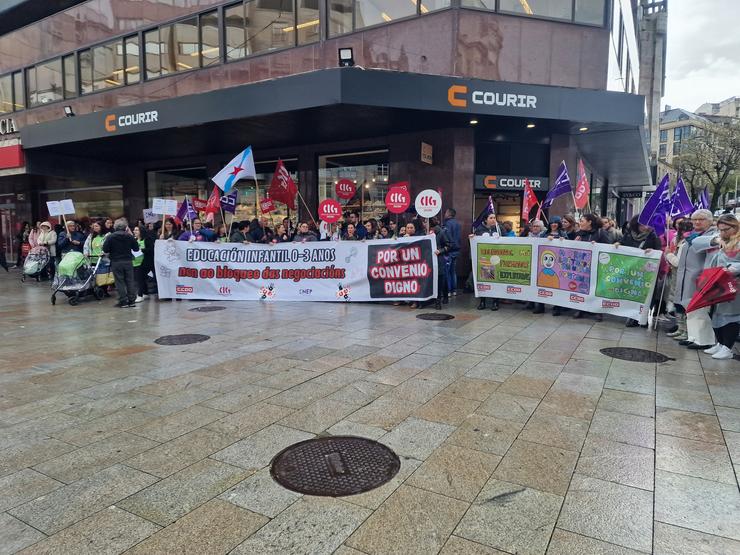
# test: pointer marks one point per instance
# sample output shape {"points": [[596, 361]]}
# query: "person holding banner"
{"points": [[70, 239], [488, 227], [304, 235], [589, 229], [569, 227], [640, 237]]}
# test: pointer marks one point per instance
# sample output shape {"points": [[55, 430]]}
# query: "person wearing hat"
{"points": [[47, 237], [555, 229], [70, 239]]}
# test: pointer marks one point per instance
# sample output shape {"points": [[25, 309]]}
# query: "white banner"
{"points": [[388, 270], [591, 277]]}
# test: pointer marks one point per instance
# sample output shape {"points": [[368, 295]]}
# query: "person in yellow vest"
{"points": [[139, 275]]}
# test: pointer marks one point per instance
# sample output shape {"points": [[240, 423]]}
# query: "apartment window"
{"points": [[676, 148], [340, 17], [186, 44], [44, 83], [677, 133], [133, 59], [107, 65], [374, 12], [151, 54], [6, 94], [19, 99], [308, 23], [664, 136], [270, 25], [553, 9], [86, 71], [590, 11], [70, 76], [210, 54], [662, 150], [235, 26]]}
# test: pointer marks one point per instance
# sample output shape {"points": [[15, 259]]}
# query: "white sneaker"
{"points": [[725, 353], [712, 350], [139, 299]]}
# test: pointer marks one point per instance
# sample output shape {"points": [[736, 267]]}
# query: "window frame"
{"points": [[497, 9]]}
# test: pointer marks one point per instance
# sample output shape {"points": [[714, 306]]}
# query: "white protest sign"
{"points": [[150, 217], [54, 207], [68, 206], [428, 203], [163, 206]]}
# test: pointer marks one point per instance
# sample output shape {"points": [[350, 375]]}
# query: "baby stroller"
{"points": [[75, 278], [36, 262]]}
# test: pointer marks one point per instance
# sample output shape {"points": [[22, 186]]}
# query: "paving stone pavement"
{"points": [[515, 434]]}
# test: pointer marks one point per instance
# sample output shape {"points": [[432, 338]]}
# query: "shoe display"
{"points": [[713, 350], [725, 353]]}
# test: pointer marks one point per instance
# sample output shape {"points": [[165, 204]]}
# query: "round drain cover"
{"points": [[335, 466], [435, 316], [183, 339], [634, 355], [207, 309]]}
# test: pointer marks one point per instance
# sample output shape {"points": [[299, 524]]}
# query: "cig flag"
{"points": [[657, 207], [283, 188], [680, 201], [213, 204], [561, 187], [241, 167], [530, 200], [583, 188]]}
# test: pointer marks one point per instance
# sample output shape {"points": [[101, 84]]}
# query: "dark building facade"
{"points": [[112, 103]]}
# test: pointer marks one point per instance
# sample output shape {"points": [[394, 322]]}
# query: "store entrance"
{"points": [[508, 207]]}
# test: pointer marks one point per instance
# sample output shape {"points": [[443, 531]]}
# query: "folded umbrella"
{"points": [[713, 286]]}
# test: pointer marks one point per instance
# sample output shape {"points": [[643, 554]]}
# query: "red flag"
{"points": [[198, 204], [713, 286], [530, 199], [282, 188], [267, 205], [583, 188], [214, 202]]}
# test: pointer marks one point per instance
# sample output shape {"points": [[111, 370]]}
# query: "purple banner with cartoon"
{"points": [[564, 268]]}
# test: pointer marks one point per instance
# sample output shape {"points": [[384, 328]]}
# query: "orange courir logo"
{"points": [[453, 96], [110, 123]]}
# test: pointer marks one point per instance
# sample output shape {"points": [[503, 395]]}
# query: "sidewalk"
{"points": [[516, 435]]}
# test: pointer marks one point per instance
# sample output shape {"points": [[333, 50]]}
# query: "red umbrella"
{"points": [[713, 286]]}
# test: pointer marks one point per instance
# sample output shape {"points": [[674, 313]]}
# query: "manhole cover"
{"points": [[183, 339], [435, 316], [207, 309], [634, 355], [335, 466]]}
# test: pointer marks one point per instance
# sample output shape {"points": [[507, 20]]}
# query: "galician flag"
{"points": [[657, 207], [680, 201], [242, 166], [561, 187]]}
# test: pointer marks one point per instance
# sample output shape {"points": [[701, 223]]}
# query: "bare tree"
{"points": [[709, 157]]}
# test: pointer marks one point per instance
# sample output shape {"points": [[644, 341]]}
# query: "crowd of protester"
{"points": [[690, 246]]}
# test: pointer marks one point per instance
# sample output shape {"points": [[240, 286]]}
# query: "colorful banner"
{"points": [[583, 276], [389, 270]]}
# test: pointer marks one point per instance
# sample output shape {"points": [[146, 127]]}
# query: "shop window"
{"points": [[176, 183], [108, 65], [340, 17], [370, 173], [19, 99], [210, 54], [44, 83], [133, 60], [553, 9], [70, 76], [590, 11], [86, 71], [374, 12], [246, 208], [270, 25], [481, 4], [6, 94], [308, 24], [235, 26], [93, 203], [151, 54]]}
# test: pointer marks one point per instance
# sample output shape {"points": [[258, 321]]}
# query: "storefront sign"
{"points": [[428, 203], [427, 153], [339, 271], [330, 211], [461, 96], [345, 189], [584, 276], [398, 199], [510, 182], [7, 126], [630, 194], [113, 122], [11, 157]]}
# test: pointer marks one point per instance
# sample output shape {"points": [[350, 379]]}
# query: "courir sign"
{"points": [[461, 96], [114, 122], [510, 182]]}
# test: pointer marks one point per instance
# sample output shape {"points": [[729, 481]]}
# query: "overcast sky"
{"points": [[703, 52]]}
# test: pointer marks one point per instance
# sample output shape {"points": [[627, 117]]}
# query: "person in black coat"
{"points": [[491, 228], [444, 247], [640, 237], [589, 229]]}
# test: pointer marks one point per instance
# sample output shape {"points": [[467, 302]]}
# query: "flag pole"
{"points": [[310, 215], [256, 197]]}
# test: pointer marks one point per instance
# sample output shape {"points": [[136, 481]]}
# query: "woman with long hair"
{"points": [[169, 230]]}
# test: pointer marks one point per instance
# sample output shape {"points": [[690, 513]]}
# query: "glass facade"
{"points": [[249, 27], [95, 202], [369, 171], [6, 94]]}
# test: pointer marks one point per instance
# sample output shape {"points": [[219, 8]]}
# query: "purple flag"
{"points": [[657, 207], [228, 202], [680, 201], [186, 211], [703, 202], [561, 187], [489, 209]]}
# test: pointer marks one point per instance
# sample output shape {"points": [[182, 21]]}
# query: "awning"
{"points": [[347, 103]]}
